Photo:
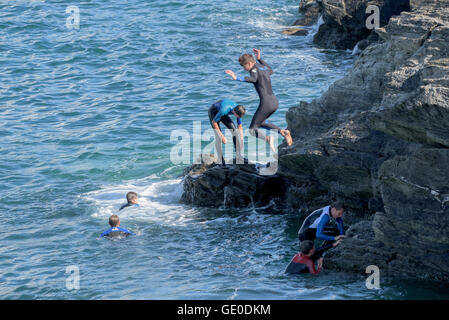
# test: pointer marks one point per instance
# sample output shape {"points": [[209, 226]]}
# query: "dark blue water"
{"points": [[86, 115]]}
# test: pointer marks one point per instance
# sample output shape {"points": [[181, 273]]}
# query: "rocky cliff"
{"points": [[232, 186], [378, 140], [345, 21]]}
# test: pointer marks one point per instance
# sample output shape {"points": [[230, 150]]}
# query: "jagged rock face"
{"points": [[345, 20], [231, 186], [379, 140], [305, 5], [310, 12]]}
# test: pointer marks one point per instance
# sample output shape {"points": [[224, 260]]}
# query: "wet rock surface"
{"points": [[310, 13], [345, 21], [230, 186], [378, 140]]}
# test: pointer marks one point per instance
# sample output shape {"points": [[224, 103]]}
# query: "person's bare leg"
{"points": [[270, 141], [288, 137]]}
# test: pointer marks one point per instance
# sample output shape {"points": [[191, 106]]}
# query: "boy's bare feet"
{"points": [[288, 137]]}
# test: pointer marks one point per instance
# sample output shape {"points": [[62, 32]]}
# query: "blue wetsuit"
{"points": [[219, 112], [316, 226], [224, 108], [116, 232], [260, 77]]}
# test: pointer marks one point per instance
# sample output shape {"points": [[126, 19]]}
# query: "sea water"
{"points": [[87, 108]]}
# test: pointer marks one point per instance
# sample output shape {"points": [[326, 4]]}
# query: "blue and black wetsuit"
{"points": [[116, 232], [316, 226], [219, 112], [260, 77]]}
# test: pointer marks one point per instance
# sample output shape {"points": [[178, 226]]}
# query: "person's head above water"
{"points": [[131, 197], [114, 221], [247, 61], [115, 231], [239, 111], [307, 248], [337, 209]]}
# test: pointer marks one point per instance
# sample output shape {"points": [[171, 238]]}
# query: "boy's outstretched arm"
{"points": [[252, 78], [257, 53], [262, 62], [232, 74]]}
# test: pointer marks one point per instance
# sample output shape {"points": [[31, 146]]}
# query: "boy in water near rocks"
{"points": [[304, 261], [115, 231], [132, 199], [259, 75]]}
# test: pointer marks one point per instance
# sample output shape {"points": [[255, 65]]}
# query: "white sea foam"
{"points": [[356, 50], [314, 29], [158, 201]]}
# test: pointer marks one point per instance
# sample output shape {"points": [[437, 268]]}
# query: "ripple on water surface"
{"points": [[86, 116]]}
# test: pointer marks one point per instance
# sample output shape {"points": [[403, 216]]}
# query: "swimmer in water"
{"points": [[220, 112], [259, 76], [132, 199], [304, 261], [115, 231]]}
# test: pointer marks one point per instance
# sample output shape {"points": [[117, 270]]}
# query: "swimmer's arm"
{"points": [[320, 265], [311, 266]]}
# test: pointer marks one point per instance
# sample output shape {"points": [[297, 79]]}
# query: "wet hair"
{"points": [[130, 196], [114, 220], [338, 206], [245, 58], [240, 110], [306, 246]]}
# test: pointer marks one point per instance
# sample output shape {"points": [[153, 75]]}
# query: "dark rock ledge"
{"points": [[378, 139]]}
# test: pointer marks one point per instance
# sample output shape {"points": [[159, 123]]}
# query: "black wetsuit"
{"points": [[260, 77], [126, 205], [116, 232]]}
